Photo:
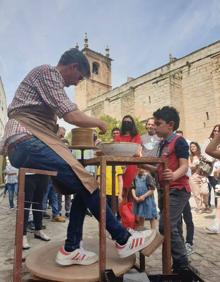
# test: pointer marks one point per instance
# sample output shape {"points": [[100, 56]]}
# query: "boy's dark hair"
{"points": [[115, 129], [73, 55], [168, 114]]}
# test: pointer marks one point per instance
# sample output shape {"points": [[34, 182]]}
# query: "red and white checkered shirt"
{"points": [[44, 85]]}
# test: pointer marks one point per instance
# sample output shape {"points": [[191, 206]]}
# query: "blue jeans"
{"points": [[11, 187], [52, 196], [33, 153]]}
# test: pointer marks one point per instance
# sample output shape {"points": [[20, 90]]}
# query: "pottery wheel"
{"points": [[41, 263]]}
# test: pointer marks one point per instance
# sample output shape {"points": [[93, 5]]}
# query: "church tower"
{"points": [[100, 80]]}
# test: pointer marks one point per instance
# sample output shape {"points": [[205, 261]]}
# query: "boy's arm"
{"points": [[212, 149], [149, 167], [170, 175]]}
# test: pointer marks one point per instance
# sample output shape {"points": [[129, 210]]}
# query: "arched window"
{"points": [[95, 68]]}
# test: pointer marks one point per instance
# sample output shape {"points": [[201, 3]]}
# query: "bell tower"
{"points": [[100, 79]]}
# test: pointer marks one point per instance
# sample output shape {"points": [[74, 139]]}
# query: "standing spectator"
{"points": [[194, 157], [128, 133], [11, 183], [198, 180], [211, 178], [150, 141], [35, 188], [118, 185], [51, 195], [115, 132], [213, 150], [143, 194], [175, 150]]}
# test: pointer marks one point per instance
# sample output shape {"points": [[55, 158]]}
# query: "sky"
{"points": [[140, 33]]}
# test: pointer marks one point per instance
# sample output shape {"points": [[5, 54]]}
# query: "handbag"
{"points": [[127, 215], [205, 166]]}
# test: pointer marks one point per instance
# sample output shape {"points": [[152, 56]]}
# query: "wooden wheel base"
{"points": [[41, 263]]}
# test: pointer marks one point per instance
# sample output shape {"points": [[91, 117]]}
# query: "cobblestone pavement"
{"points": [[206, 256]]}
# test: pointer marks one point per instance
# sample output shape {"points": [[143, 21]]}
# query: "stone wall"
{"points": [[191, 84]]}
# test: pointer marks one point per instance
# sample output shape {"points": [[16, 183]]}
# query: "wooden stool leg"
{"points": [[20, 219], [19, 227]]}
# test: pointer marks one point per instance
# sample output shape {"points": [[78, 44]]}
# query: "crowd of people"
{"points": [[32, 140]]}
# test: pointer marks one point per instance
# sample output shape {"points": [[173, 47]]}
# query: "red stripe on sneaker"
{"points": [[133, 243], [141, 241], [62, 250], [82, 257], [137, 241], [76, 256]]}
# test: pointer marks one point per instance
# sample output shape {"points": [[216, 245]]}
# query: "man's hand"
{"points": [[168, 175], [103, 127]]}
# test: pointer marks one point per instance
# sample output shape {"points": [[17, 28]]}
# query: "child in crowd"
{"points": [[118, 184], [175, 150], [143, 195]]}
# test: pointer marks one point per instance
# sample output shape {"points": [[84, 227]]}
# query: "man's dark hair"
{"points": [[168, 114], [73, 55], [133, 131]]}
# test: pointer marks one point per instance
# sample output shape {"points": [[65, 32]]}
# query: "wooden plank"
{"points": [[116, 160]]}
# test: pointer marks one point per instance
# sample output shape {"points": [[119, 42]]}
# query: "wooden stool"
{"points": [[20, 218]]}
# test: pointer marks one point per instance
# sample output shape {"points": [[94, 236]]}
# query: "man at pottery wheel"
{"points": [[30, 141]]}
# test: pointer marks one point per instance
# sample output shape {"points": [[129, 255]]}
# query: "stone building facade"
{"points": [[191, 84]]}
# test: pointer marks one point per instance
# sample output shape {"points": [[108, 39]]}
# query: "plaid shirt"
{"points": [[43, 85]]}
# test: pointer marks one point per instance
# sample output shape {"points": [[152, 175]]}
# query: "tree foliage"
{"points": [[111, 122]]}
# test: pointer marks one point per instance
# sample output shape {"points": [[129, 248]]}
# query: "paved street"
{"points": [[206, 257]]}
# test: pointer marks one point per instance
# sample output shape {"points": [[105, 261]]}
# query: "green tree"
{"points": [[111, 122], [140, 126]]}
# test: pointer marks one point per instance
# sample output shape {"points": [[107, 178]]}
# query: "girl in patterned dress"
{"points": [[143, 195]]}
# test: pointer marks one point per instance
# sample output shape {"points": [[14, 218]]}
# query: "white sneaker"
{"points": [[39, 234], [136, 242], [212, 229], [25, 243], [189, 249], [78, 256]]}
